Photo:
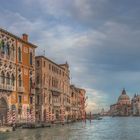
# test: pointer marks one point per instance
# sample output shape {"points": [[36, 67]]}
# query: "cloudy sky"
{"points": [[100, 39]]}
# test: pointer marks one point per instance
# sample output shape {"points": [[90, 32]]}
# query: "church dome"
{"points": [[123, 98]]}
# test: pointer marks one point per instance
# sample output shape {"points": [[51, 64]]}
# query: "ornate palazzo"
{"points": [[17, 76]]}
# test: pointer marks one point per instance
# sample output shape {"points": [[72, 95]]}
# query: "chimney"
{"points": [[25, 37]]}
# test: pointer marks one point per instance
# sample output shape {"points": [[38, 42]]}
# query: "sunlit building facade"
{"points": [[136, 105], [77, 103], [17, 76], [52, 90]]}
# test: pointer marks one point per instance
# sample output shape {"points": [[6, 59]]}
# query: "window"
{"points": [[44, 79], [49, 82], [13, 80], [8, 79], [20, 81], [13, 50], [8, 50], [2, 78], [49, 66], [31, 100], [19, 54], [37, 79], [19, 111], [19, 99], [31, 83], [31, 58], [3, 46], [37, 101], [37, 63], [72, 95], [44, 63]]}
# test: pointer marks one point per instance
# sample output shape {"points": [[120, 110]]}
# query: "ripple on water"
{"points": [[106, 129]]}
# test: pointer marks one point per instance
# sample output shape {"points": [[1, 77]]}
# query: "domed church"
{"points": [[124, 98], [122, 107]]}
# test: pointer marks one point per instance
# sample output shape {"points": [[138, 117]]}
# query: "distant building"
{"points": [[122, 107], [77, 103], [136, 105]]}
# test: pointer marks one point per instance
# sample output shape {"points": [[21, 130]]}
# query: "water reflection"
{"points": [[106, 129]]}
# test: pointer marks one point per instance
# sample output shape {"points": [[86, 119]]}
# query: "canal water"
{"points": [[116, 128]]}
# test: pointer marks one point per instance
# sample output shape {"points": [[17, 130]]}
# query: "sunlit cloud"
{"points": [[98, 38]]}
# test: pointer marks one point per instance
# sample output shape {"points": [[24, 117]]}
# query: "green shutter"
{"points": [[0, 44]]}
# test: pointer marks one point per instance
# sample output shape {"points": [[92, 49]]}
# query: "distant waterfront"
{"points": [[117, 128]]}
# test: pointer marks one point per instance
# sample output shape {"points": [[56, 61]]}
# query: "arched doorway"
{"points": [[3, 111], [44, 115], [57, 115]]}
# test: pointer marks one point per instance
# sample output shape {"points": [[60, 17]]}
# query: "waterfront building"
{"points": [[122, 107], [136, 105], [77, 103], [17, 76], [52, 90]]}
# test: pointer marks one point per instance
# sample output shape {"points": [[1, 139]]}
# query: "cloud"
{"points": [[99, 39], [95, 101]]}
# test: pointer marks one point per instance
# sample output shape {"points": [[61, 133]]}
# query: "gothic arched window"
{"points": [[8, 79], [8, 49], [19, 54], [20, 81], [37, 79], [13, 49], [3, 47], [2, 77], [31, 58], [13, 80], [31, 82]]}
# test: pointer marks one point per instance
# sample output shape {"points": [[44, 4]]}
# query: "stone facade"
{"points": [[35, 89], [17, 74], [52, 90], [56, 99], [136, 105], [77, 103]]}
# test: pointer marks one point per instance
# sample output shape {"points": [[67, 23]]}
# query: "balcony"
{"points": [[21, 89], [67, 104], [7, 57], [10, 88], [56, 91], [32, 91], [38, 85], [7, 87], [56, 104]]}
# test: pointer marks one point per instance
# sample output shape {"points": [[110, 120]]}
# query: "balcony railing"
{"points": [[7, 87], [56, 89], [21, 89], [4, 56], [56, 104], [32, 91], [38, 85], [67, 104]]}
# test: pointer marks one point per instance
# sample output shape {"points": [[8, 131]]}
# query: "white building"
{"points": [[136, 105]]}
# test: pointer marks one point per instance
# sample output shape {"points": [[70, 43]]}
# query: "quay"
{"points": [[13, 127], [5, 129]]}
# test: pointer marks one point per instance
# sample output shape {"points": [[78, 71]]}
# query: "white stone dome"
{"points": [[123, 98]]}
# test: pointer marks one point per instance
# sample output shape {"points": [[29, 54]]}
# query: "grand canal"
{"points": [[106, 129]]}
